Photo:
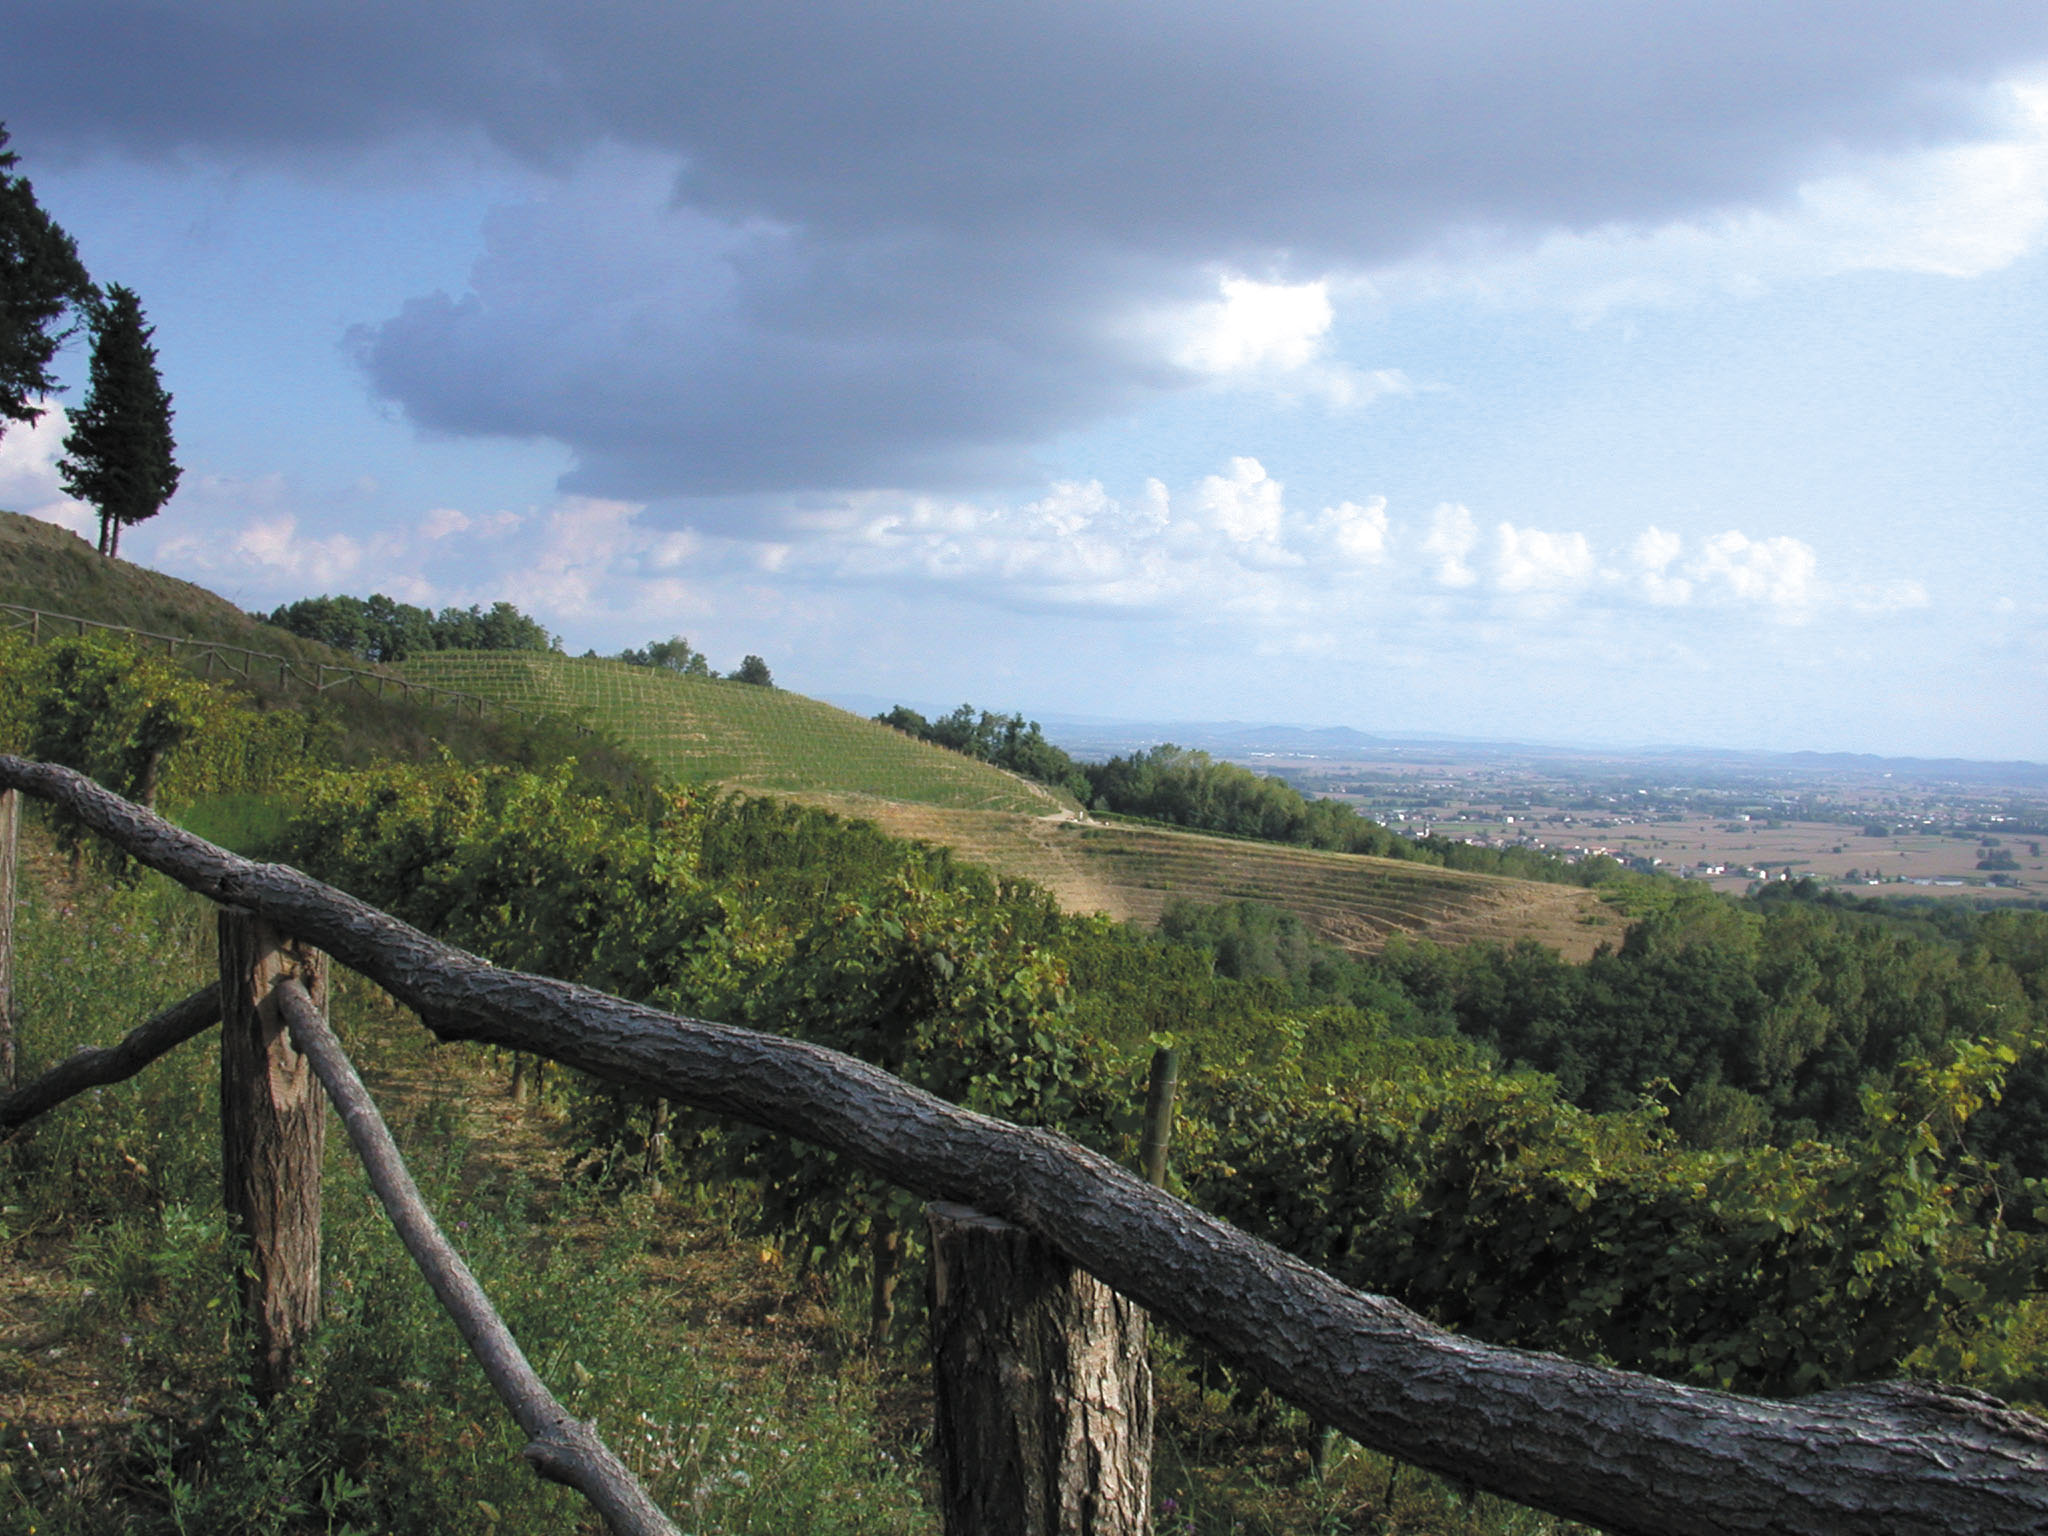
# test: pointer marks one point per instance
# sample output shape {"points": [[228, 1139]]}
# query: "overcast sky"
{"points": [[1610, 373]]}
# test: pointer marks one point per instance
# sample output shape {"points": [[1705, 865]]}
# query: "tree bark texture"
{"points": [[564, 1449], [273, 1129], [1631, 1453], [90, 1067], [1041, 1385]]}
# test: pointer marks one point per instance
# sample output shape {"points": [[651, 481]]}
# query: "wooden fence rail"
{"points": [[1630, 1453]]}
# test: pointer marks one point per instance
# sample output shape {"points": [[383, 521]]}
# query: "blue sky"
{"points": [[1618, 374]]}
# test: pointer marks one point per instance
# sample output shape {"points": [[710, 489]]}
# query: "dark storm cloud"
{"points": [[905, 240]]}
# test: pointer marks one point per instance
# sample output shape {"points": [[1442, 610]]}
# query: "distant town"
{"points": [[1881, 826]]}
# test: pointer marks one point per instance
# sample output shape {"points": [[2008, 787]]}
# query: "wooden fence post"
{"points": [[273, 1122], [1042, 1388], [10, 850]]}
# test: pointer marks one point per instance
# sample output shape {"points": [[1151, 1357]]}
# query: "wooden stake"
{"points": [[273, 1135], [564, 1449], [1159, 1094], [1042, 1388]]}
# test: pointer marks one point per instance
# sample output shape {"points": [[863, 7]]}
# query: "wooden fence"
{"points": [[214, 658], [1627, 1452]]}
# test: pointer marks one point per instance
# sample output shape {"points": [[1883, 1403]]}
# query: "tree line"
{"points": [[119, 453], [1188, 788], [381, 629], [677, 655]]}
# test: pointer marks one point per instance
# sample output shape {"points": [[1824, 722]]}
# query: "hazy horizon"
{"points": [[1611, 375]]}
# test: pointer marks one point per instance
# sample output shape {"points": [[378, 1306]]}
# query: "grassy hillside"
{"points": [[698, 729], [1347, 900], [51, 569], [44, 566], [772, 741], [701, 730]]}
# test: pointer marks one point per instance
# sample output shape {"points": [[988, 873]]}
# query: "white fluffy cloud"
{"points": [[28, 474], [1258, 326], [1531, 560], [1453, 535], [1245, 506], [1356, 534], [1777, 573], [1651, 558]]}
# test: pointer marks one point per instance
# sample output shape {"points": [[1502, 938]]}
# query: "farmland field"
{"points": [[699, 730], [1909, 860], [1348, 900]]}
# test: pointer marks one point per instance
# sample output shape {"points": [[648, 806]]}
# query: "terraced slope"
{"points": [[1351, 901], [698, 730]]}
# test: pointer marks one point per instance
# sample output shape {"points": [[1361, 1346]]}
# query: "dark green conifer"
{"points": [[118, 455], [41, 279]]}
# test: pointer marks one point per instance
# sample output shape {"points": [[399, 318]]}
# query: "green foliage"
{"points": [[381, 629], [118, 454], [766, 740], [936, 986], [390, 1427], [1489, 1205], [41, 279], [1007, 741], [1767, 1026], [677, 655], [1191, 789], [142, 726], [674, 654]]}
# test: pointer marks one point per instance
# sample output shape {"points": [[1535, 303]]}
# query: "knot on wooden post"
{"points": [[1042, 1387]]}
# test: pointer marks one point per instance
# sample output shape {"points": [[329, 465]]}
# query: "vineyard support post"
{"points": [[1041, 1386], [1159, 1094], [273, 1121]]}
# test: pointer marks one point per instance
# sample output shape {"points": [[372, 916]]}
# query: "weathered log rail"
{"points": [[1627, 1452], [211, 658]]}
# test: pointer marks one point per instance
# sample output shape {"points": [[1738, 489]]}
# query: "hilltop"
{"points": [[699, 730], [695, 729], [52, 570], [772, 741]]}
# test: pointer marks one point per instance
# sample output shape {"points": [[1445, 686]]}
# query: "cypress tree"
{"points": [[40, 279], [119, 450]]}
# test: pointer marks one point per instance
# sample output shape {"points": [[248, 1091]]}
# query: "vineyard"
{"points": [[701, 730], [1348, 900]]}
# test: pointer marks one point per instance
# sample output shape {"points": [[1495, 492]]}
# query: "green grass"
{"points": [[48, 568], [123, 1406], [703, 730]]}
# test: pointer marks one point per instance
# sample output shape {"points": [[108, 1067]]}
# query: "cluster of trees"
{"points": [[1765, 1023], [381, 629], [1008, 741], [118, 455], [1189, 788], [677, 655]]}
